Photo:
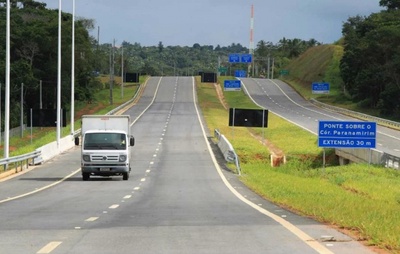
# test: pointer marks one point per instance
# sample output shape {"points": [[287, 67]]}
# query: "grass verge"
{"points": [[360, 199]]}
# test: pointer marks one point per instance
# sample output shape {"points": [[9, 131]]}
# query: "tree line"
{"points": [[34, 56], [370, 67]]}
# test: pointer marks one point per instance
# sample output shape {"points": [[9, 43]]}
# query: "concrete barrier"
{"points": [[51, 150], [226, 149]]}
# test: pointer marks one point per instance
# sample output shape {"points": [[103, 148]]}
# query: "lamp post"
{"points": [[73, 70], [7, 92], [59, 77], [122, 71]]}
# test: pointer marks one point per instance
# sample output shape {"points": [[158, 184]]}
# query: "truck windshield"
{"points": [[105, 141]]}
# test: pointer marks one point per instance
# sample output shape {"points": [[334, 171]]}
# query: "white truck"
{"points": [[106, 142]]}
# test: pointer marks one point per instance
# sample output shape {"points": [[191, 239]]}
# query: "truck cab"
{"points": [[106, 143]]}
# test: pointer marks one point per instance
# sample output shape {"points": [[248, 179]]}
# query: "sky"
{"points": [[215, 22]]}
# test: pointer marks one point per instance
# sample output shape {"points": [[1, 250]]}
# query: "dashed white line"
{"points": [[114, 206], [127, 196], [143, 179], [136, 188], [92, 219], [49, 247]]}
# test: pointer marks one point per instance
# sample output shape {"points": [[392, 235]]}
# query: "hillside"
{"points": [[317, 64]]}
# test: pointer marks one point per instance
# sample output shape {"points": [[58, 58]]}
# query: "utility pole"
{"points": [[122, 71], [22, 111], [112, 72]]}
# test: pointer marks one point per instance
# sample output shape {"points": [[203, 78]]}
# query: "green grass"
{"points": [[360, 198]]}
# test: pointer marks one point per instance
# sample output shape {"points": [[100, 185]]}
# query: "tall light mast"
{"points": [[251, 48]]}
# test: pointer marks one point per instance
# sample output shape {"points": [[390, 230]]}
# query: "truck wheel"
{"points": [[125, 176], [85, 176]]}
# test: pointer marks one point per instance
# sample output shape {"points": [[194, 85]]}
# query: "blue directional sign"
{"points": [[246, 58], [341, 134], [240, 73], [234, 58], [320, 88], [232, 85]]}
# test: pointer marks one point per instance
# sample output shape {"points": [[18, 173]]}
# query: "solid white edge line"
{"points": [[41, 189], [151, 103], [289, 226]]}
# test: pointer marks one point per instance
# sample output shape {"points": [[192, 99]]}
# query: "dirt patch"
{"points": [[89, 109], [221, 96]]}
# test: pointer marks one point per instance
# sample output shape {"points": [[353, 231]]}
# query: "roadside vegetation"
{"points": [[360, 199], [100, 104]]}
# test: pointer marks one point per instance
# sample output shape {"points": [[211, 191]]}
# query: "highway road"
{"points": [[279, 98], [177, 200]]}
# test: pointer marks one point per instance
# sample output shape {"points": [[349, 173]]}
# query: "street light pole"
{"points": [[7, 92], [73, 70], [59, 77], [122, 71]]}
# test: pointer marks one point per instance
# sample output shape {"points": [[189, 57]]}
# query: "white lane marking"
{"points": [[151, 162], [40, 189], [49, 247], [151, 103], [136, 188], [289, 226], [143, 179], [92, 219], [148, 171], [114, 206], [77, 227], [127, 196]]}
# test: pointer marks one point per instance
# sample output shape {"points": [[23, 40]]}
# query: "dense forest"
{"points": [[370, 66]]}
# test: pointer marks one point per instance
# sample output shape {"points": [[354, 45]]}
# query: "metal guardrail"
{"points": [[227, 149], [20, 158], [380, 121]]}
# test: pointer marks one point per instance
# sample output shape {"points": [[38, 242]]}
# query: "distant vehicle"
{"points": [[106, 143]]}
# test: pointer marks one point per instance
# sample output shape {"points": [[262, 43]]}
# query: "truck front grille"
{"points": [[105, 158]]}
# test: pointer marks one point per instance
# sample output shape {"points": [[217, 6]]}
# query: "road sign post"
{"points": [[343, 134], [320, 88], [234, 58], [232, 85]]}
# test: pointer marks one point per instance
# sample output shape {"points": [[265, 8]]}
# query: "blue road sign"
{"points": [[246, 58], [320, 88], [232, 85], [240, 73], [234, 58], [340, 134]]}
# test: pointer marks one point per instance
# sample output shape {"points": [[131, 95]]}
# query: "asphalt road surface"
{"points": [[281, 99], [177, 200]]}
